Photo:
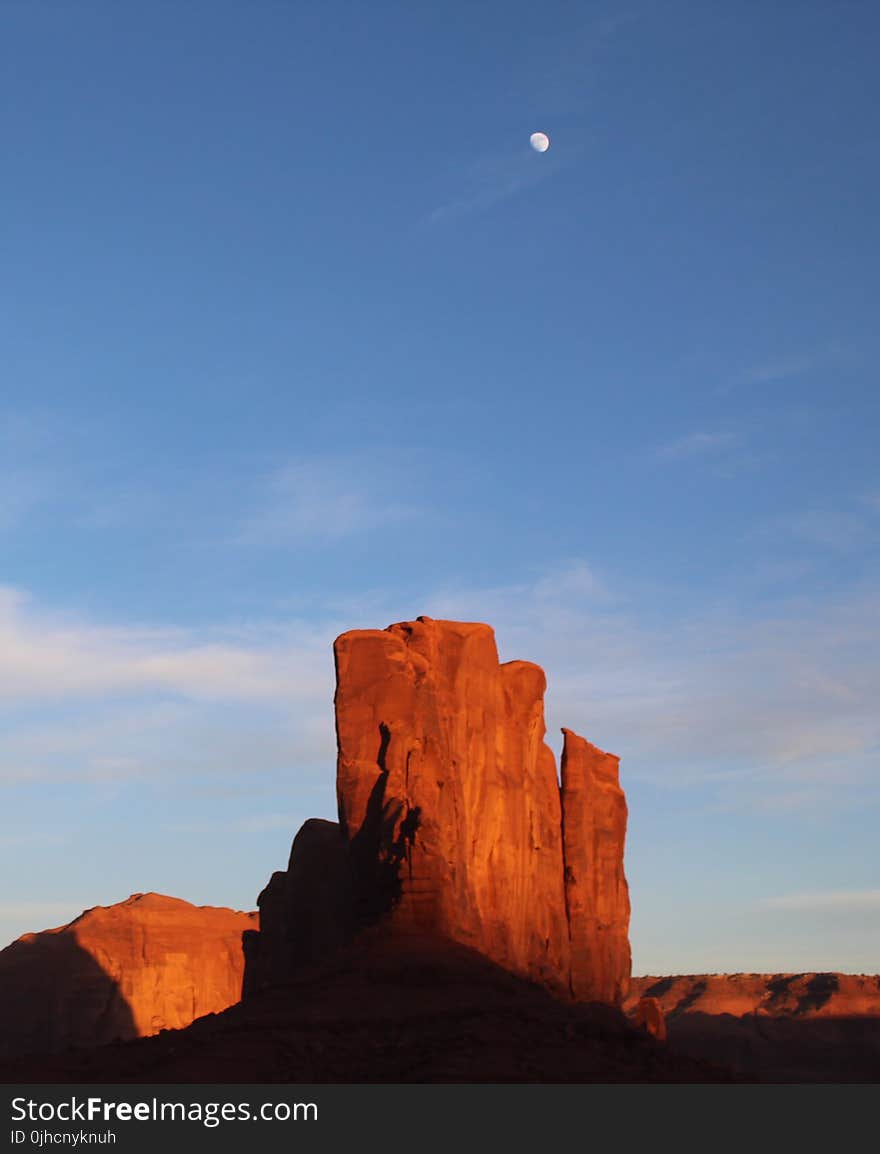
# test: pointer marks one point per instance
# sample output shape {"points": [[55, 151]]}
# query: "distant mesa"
{"points": [[814, 995], [453, 822], [116, 972], [812, 1027]]}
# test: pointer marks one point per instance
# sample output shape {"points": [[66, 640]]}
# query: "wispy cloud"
{"points": [[830, 901], [567, 58], [27, 479], [119, 509], [491, 179], [772, 711], [749, 706], [21, 491], [698, 444], [576, 580], [780, 369], [82, 700], [323, 499], [564, 65], [46, 655], [836, 529], [771, 371], [841, 528]]}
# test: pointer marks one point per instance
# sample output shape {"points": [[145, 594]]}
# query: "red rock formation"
{"points": [[650, 1017], [123, 971], [812, 995], [305, 911], [788, 1028], [594, 828], [448, 793], [449, 799], [452, 823]]}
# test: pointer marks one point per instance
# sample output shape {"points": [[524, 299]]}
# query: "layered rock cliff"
{"points": [[452, 822], [814, 995], [812, 1027], [122, 971]]}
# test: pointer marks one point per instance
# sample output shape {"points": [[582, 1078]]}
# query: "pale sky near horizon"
{"points": [[299, 334]]}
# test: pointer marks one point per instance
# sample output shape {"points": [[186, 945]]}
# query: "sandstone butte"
{"points": [[122, 971], [453, 823]]}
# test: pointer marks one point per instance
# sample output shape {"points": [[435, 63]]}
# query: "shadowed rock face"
{"points": [[306, 911], [123, 971], [387, 1010], [452, 818]]}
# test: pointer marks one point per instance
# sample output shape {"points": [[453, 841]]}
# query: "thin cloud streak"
{"points": [[779, 370], [21, 491], [566, 66], [841, 529], [495, 177], [322, 500], [699, 444], [831, 901], [745, 707], [45, 656], [771, 713], [29, 476]]}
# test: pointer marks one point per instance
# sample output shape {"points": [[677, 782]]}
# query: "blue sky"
{"points": [[297, 334]]}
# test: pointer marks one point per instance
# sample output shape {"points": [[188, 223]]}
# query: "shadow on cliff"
{"points": [[664, 985], [820, 989], [54, 996], [334, 886], [783, 995], [381, 847], [388, 1010]]}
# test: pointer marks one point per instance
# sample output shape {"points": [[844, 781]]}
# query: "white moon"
{"points": [[540, 141]]}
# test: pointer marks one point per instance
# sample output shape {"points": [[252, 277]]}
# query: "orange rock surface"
{"points": [[597, 895], [449, 799], [816, 995], [651, 1018], [122, 971]]}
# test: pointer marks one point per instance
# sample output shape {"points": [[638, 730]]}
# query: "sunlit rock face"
{"points": [[453, 822], [122, 971], [448, 794], [649, 1015], [596, 891], [794, 996]]}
